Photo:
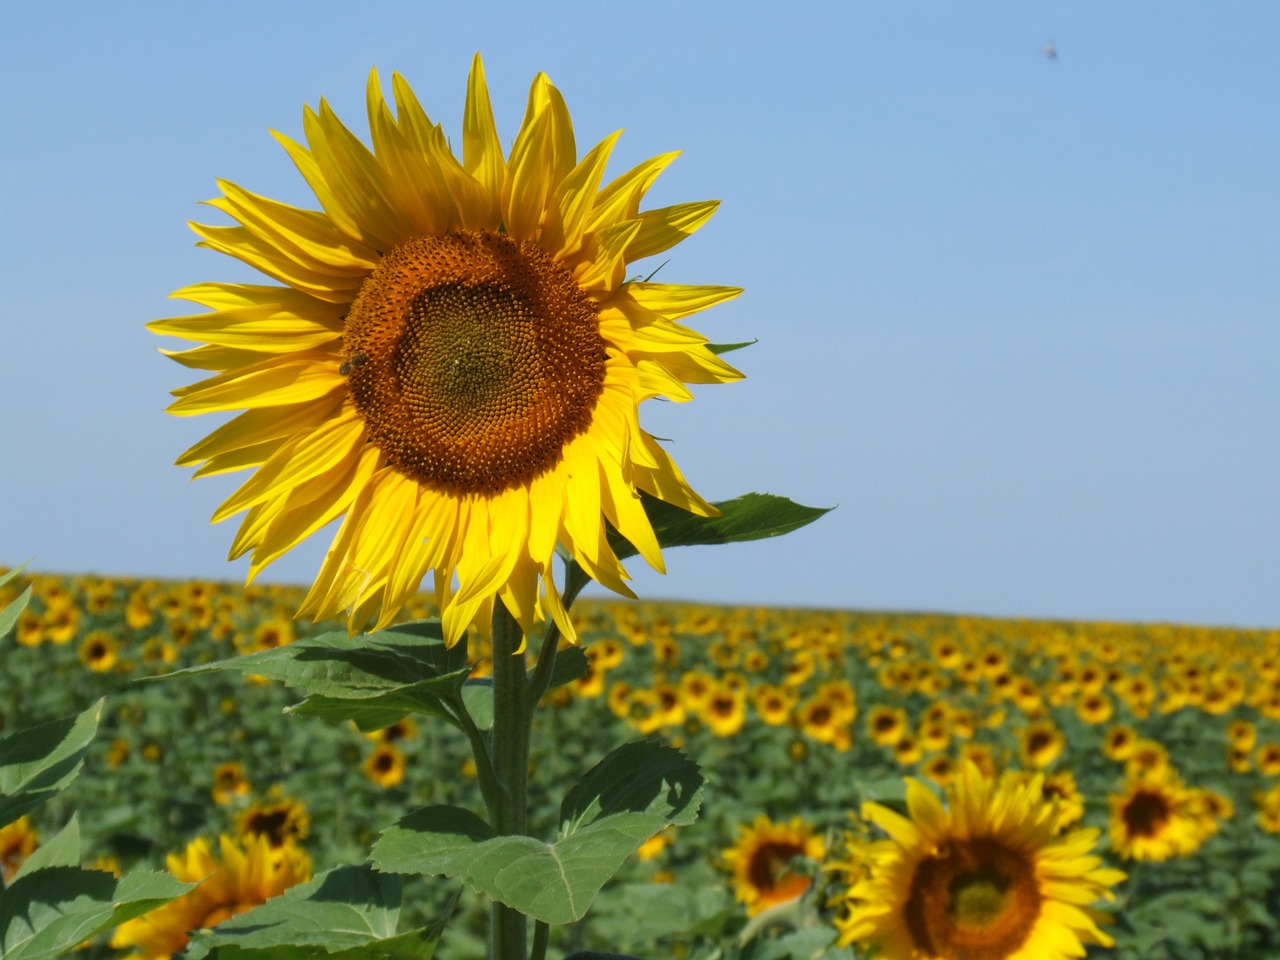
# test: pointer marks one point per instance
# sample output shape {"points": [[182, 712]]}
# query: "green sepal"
{"points": [[348, 913], [752, 516], [372, 679], [719, 348], [623, 801], [49, 912], [36, 763]]}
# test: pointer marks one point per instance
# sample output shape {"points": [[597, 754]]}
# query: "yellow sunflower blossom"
{"points": [[985, 876], [282, 823], [248, 872], [229, 782], [1155, 817], [99, 651], [761, 861], [18, 840], [385, 766], [450, 358]]}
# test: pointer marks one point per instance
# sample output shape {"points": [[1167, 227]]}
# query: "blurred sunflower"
{"points": [[761, 861], [773, 703], [249, 872], [886, 725], [403, 729], [984, 877], [725, 711], [1041, 744], [286, 822], [229, 782], [1119, 742], [451, 359], [99, 651], [653, 847], [385, 765], [1154, 817], [18, 840]]}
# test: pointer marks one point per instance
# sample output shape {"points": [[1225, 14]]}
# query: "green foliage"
{"points": [[371, 680], [625, 799], [37, 763], [348, 913], [49, 912], [752, 516], [53, 905]]}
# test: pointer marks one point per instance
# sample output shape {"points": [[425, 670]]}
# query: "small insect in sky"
{"points": [[357, 360]]}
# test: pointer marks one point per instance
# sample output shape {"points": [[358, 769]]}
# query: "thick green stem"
{"points": [[509, 748]]}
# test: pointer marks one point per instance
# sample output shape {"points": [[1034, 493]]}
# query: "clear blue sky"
{"points": [[1018, 317]]}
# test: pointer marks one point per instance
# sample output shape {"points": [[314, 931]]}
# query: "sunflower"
{"points": [[1120, 742], [1154, 817], [385, 765], [653, 847], [229, 782], [1268, 804], [941, 769], [725, 711], [1041, 744], [99, 651], [1268, 756], [18, 840], [286, 822], [249, 872], [761, 861], [887, 725], [986, 877], [773, 703], [451, 359]]}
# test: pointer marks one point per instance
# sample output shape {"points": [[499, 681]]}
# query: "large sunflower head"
{"points": [[983, 877], [450, 357]]}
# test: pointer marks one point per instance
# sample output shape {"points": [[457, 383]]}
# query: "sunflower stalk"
{"points": [[509, 748]]}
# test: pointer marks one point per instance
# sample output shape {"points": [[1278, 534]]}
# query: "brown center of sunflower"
{"points": [[977, 899], [1039, 741], [1146, 813], [769, 871], [473, 359]]}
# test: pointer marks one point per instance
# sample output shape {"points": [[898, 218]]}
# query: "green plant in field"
{"points": [[50, 904]]}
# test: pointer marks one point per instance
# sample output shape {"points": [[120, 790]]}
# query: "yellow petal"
{"points": [[676, 300], [575, 196], [481, 149], [270, 383], [300, 459], [240, 243], [664, 227]]}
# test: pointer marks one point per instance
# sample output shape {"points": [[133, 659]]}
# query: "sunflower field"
{"points": [[1162, 739]]}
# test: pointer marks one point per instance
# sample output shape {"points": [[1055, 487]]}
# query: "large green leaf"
{"points": [[349, 913], [373, 680], [37, 762], [623, 801], [752, 516], [48, 912]]}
